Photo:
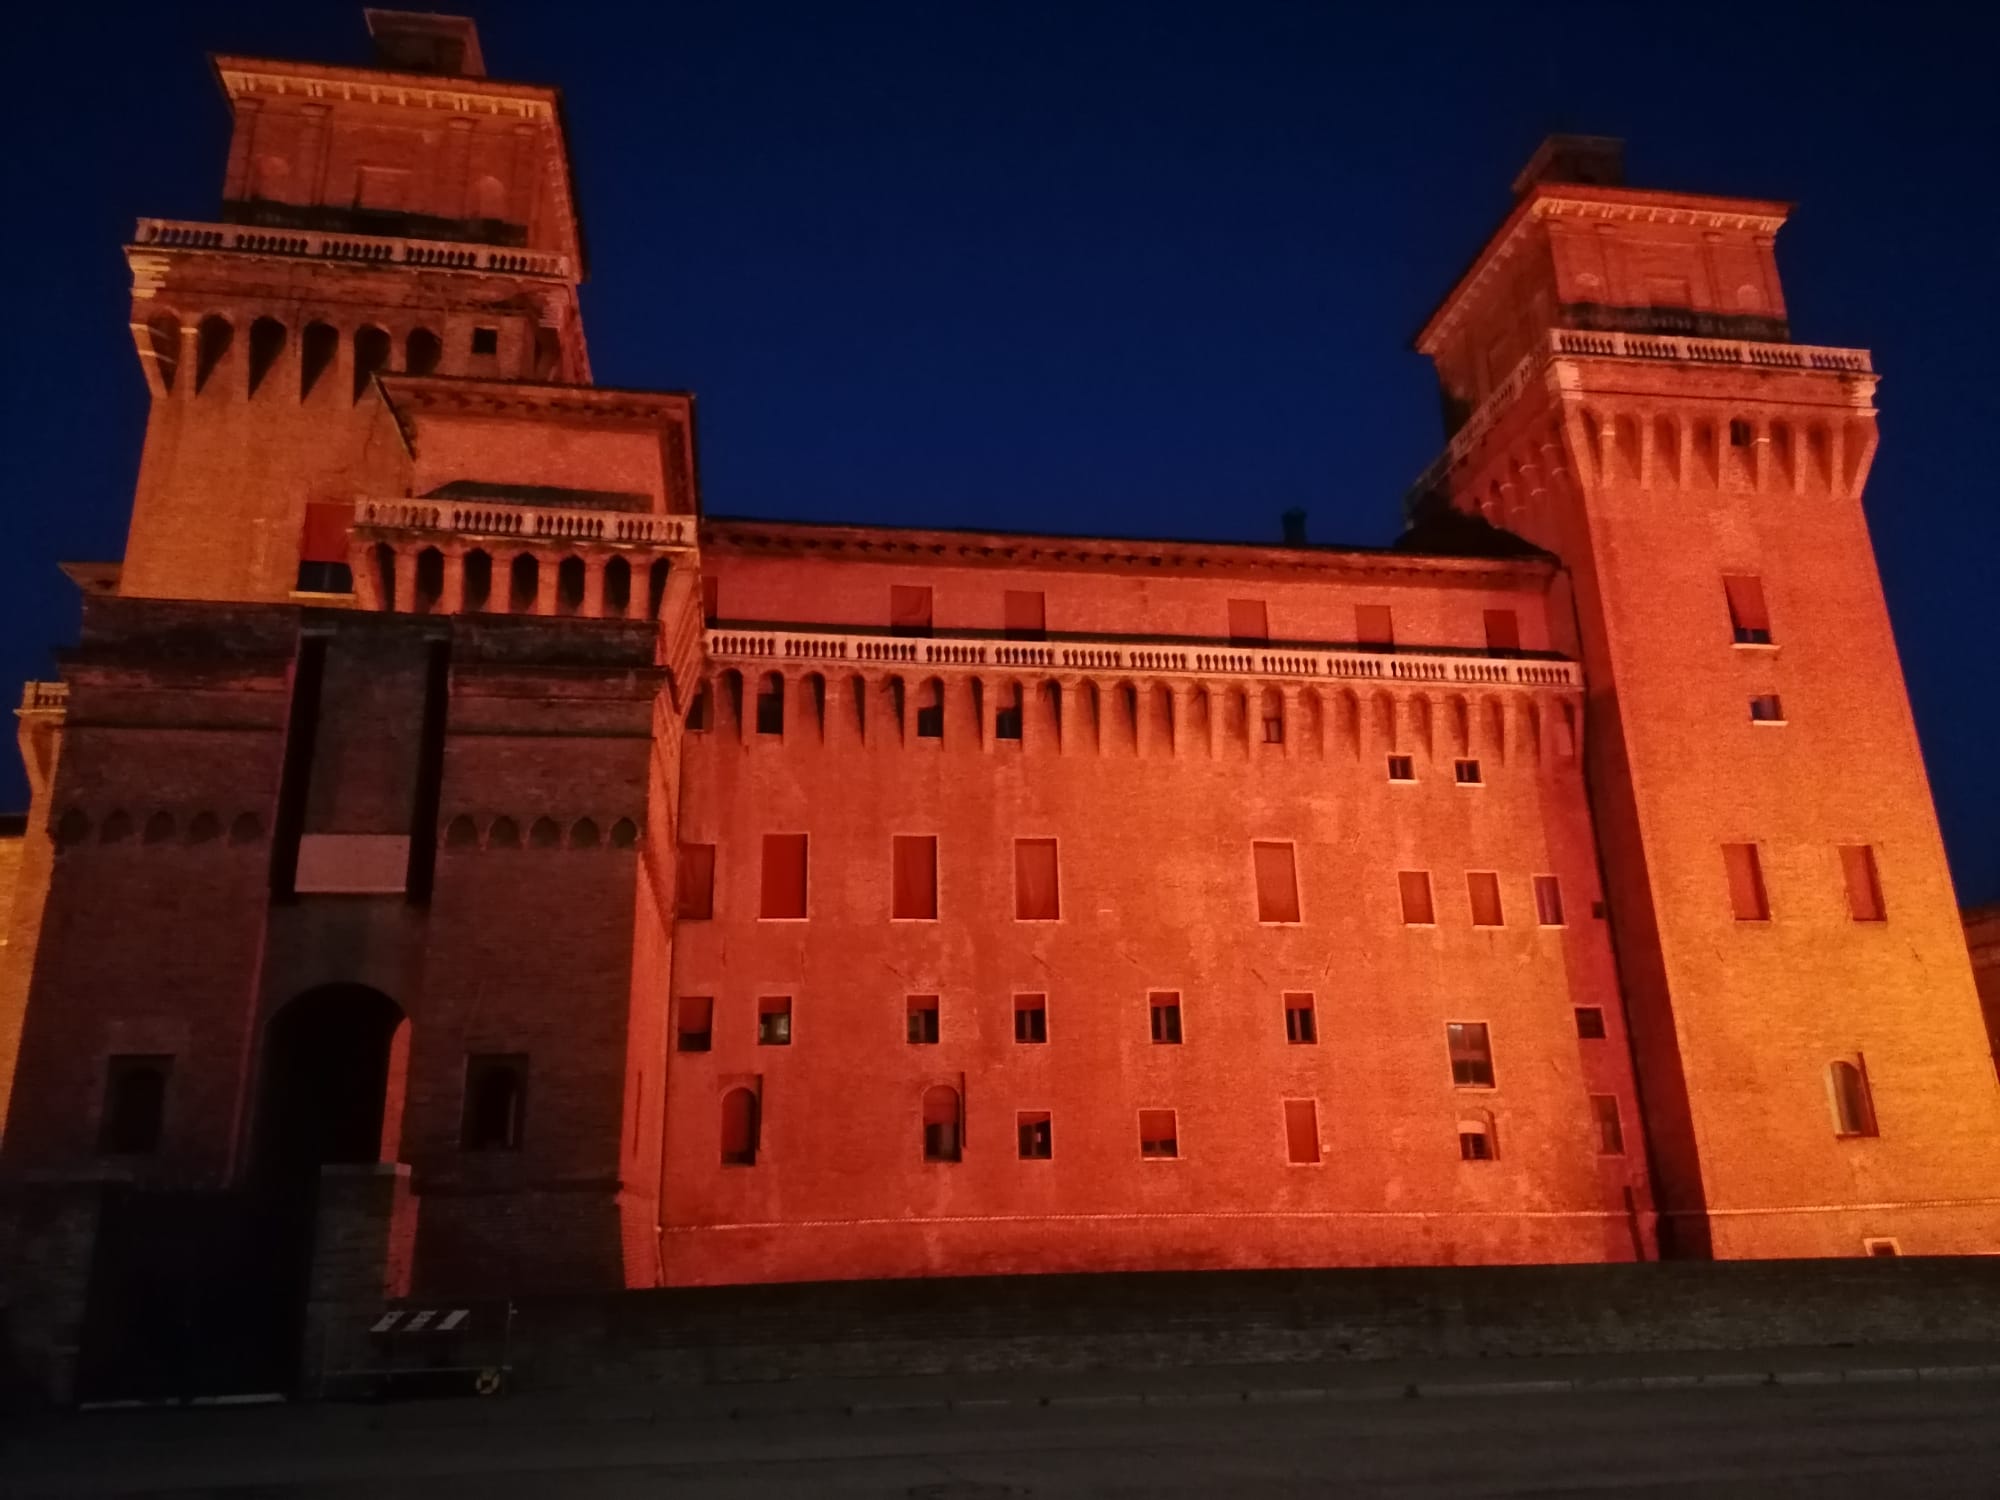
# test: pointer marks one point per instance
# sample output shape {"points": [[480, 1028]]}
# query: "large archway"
{"points": [[331, 1082]]}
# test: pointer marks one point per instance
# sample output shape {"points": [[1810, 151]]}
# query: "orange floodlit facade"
{"points": [[444, 826]]}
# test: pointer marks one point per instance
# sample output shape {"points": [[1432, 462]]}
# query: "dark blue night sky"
{"points": [[1147, 268]]}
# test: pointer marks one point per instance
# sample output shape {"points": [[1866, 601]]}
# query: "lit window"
{"points": [[1277, 882], [1610, 1131], [1471, 1054], [1864, 885], [923, 1020], [1158, 1134], [1766, 709], [495, 1093], [1301, 1132], [784, 893], [1300, 1028], [694, 884], [1853, 1109], [1466, 772], [1036, 893], [1746, 883], [774, 1021], [1031, 1018], [913, 876], [1402, 768], [1165, 1006], [942, 1124], [135, 1105], [1548, 901], [694, 1023], [1484, 888], [1749, 621], [1416, 892], [1036, 1142], [1590, 1023]]}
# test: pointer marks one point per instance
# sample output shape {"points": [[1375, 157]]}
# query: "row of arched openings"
{"points": [[374, 351], [518, 589], [119, 826], [467, 832]]}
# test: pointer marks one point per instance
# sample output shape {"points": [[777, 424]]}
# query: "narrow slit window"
{"points": [[1466, 772], [774, 1021], [1471, 1054], [1503, 631], [1766, 708], [701, 712], [1590, 1023], [1249, 622], [1165, 1006], [694, 1023], [1610, 1129], [1374, 625], [1301, 1132], [1031, 1018], [922, 1020], [1026, 617], [1749, 621], [694, 890], [1037, 896], [913, 874], [1036, 1139], [496, 1089], [1277, 882], [1864, 884], [784, 894], [1853, 1108], [1301, 1027], [135, 1105], [740, 1127], [1746, 883], [1402, 768], [943, 1124], [1159, 1134], [1483, 886], [1416, 892], [1548, 901], [909, 610]]}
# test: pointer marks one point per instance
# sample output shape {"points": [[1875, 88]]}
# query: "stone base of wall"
{"points": [[48, 1243]]}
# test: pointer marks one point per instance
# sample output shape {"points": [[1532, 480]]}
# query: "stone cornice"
{"points": [[251, 77]]}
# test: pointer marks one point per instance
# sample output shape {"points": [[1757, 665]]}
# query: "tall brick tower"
{"points": [[414, 217], [1618, 373]]}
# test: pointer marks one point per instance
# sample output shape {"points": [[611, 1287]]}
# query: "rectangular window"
{"points": [[1503, 631], [771, 705], [1853, 1106], [1277, 882], [909, 609], [1475, 1141], [1300, 1029], [323, 565], [1274, 729], [1484, 888], [774, 1021], [1374, 625], [1158, 1135], [1031, 1018], [1165, 1006], [1748, 619], [1766, 709], [1416, 888], [1864, 887], [930, 713], [711, 599], [1027, 615], [135, 1104], [1466, 772], [923, 1020], [741, 1109], [694, 1023], [485, 341], [694, 883], [496, 1089], [1739, 433], [701, 710], [1301, 1132], [913, 876], [1402, 768], [1590, 1023], [1037, 896], [784, 896], [1037, 1142], [1249, 624], [1746, 883], [1884, 1248], [1610, 1133], [1471, 1054], [1548, 901]]}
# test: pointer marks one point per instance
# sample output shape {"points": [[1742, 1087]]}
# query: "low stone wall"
{"points": [[826, 1330]]}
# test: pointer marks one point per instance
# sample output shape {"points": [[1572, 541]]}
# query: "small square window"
{"points": [[694, 1023], [1166, 1010], [485, 341], [1036, 1138], [1159, 1136], [1416, 891], [1548, 901], [1610, 1131], [1766, 709], [1300, 1027], [1402, 768], [774, 1021], [1590, 1023], [1031, 1018], [1471, 1054], [1466, 772], [1483, 887], [1026, 615], [923, 1020]]}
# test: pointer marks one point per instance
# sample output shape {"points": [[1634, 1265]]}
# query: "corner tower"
{"points": [[414, 216], [1621, 388]]}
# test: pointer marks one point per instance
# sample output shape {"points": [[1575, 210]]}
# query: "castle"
{"points": [[458, 862]]}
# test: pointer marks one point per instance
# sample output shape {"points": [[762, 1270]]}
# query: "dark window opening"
{"points": [[774, 1021], [495, 1093], [1037, 1143], [1766, 709], [1466, 772], [135, 1105], [942, 1124], [922, 1027], [1590, 1023], [1007, 719], [1749, 620], [1548, 901], [1475, 1142], [694, 1023], [771, 705], [1166, 1011], [909, 610], [485, 341], [740, 1125], [1471, 1054], [1300, 1029], [1159, 1136], [700, 710], [1031, 1018], [1402, 768]]}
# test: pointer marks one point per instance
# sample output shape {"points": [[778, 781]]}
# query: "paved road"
{"points": [[1828, 1443]]}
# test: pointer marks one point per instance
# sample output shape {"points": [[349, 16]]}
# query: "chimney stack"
{"points": [[1294, 523]]}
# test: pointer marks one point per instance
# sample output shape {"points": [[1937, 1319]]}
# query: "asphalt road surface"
{"points": [[1827, 1443]]}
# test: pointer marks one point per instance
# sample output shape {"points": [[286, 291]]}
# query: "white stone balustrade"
{"points": [[488, 518], [44, 697], [366, 249], [1152, 658]]}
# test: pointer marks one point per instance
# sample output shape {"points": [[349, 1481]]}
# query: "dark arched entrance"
{"points": [[329, 1058]]}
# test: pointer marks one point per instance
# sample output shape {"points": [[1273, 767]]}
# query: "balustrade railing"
{"points": [[313, 244], [1153, 658], [44, 697], [551, 523]]}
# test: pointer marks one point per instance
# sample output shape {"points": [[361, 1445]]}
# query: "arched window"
{"points": [[319, 347], [73, 827], [135, 1105], [1853, 1109], [430, 580], [930, 710], [461, 833], [617, 588], [478, 579], [205, 828], [771, 704], [1476, 1141], [1007, 717], [569, 585], [421, 351], [544, 834], [267, 342], [941, 1124], [739, 1128], [211, 345], [117, 828], [583, 834], [624, 834], [371, 353], [524, 581], [159, 828], [496, 1089], [246, 828], [504, 834], [1273, 715]]}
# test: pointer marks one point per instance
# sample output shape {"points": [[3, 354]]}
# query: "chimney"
{"points": [[1598, 159], [408, 41], [1294, 523]]}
